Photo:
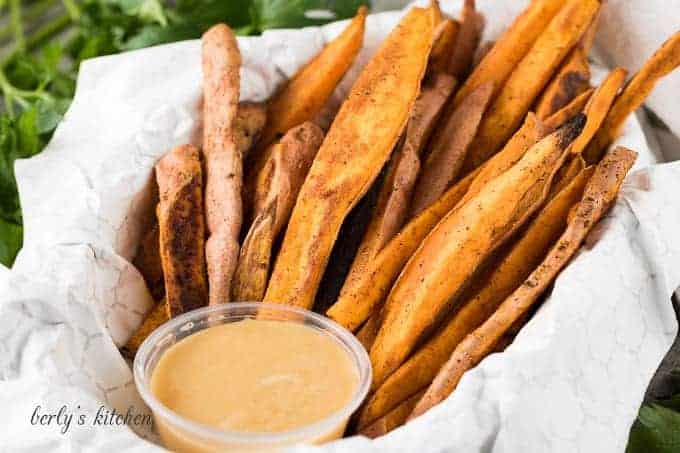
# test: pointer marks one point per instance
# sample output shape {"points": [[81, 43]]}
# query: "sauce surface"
{"points": [[255, 376]]}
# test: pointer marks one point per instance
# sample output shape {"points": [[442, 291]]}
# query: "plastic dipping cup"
{"points": [[181, 434]]}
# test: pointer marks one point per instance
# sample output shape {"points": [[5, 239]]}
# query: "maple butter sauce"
{"points": [[256, 376]]}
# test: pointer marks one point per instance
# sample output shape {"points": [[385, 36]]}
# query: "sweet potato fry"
{"points": [[529, 78], [598, 195], [461, 241], [568, 111], [436, 12], [471, 26], [511, 47], [449, 146], [223, 159], [182, 229], [444, 40], [148, 263], [482, 50], [356, 148], [392, 206], [366, 335], [393, 419], [572, 79], [306, 93], [572, 166], [250, 119], [663, 62], [481, 299], [157, 316], [277, 189], [597, 108], [364, 292]]}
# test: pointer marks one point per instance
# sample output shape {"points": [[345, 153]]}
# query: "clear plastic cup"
{"points": [[181, 434]]}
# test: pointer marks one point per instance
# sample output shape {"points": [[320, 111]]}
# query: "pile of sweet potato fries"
{"points": [[489, 165]]}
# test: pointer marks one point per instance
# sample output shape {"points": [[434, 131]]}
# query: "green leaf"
{"points": [[11, 238], [147, 10], [656, 430], [302, 13]]}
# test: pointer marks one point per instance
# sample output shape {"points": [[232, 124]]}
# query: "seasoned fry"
{"points": [[157, 316], [366, 335], [568, 111], [572, 79], [663, 62], [306, 93], [277, 189], [471, 26], [363, 294], [529, 78], [148, 262], [393, 419], [598, 195], [449, 146], [182, 229], [392, 206], [482, 51], [511, 47], [444, 40], [572, 166], [250, 118], [598, 107], [482, 298], [460, 242], [358, 143], [223, 159], [436, 12]]}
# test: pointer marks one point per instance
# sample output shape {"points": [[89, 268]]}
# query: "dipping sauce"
{"points": [[259, 376]]}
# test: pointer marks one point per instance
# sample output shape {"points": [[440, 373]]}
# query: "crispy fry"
{"points": [[444, 40], [471, 26], [568, 111], [148, 263], [182, 229], [393, 419], [572, 79], [223, 159], [598, 195], [436, 12], [479, 302], [529, 78], [449, 146], [511, 47], [460, 242], [366, 335], [664, 61], [598, 107], [572, 166], [277, 188], [355, 150], [157, 316], [250, 118], [482, 51], [363, 294], [306, 93], [392, 206]]}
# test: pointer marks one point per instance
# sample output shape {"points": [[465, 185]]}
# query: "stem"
{"points": [[72, 8], [17, 26]]}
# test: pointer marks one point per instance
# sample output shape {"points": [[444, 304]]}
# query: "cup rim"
{"points": [[350, 343]]}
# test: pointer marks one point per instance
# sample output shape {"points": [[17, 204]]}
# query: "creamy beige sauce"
{"points": [[255, 376]]}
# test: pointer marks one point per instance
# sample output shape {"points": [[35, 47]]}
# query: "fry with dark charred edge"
{"points": [[393, 419], [529, 78], [444, 40], [461, 241], [306, 93], [356, 148], [471, 26], [277, 188], [223, 160], [572, 79], [597, 108], [599, 194], [392, 206], [148, 263], [363, 294], [569, 111], [157, 316], [663, 62], [182, 229], [511, 47], [448, 149], [482, 298]]}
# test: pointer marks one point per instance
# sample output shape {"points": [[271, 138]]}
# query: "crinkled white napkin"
{"points": [[572, 380]]}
